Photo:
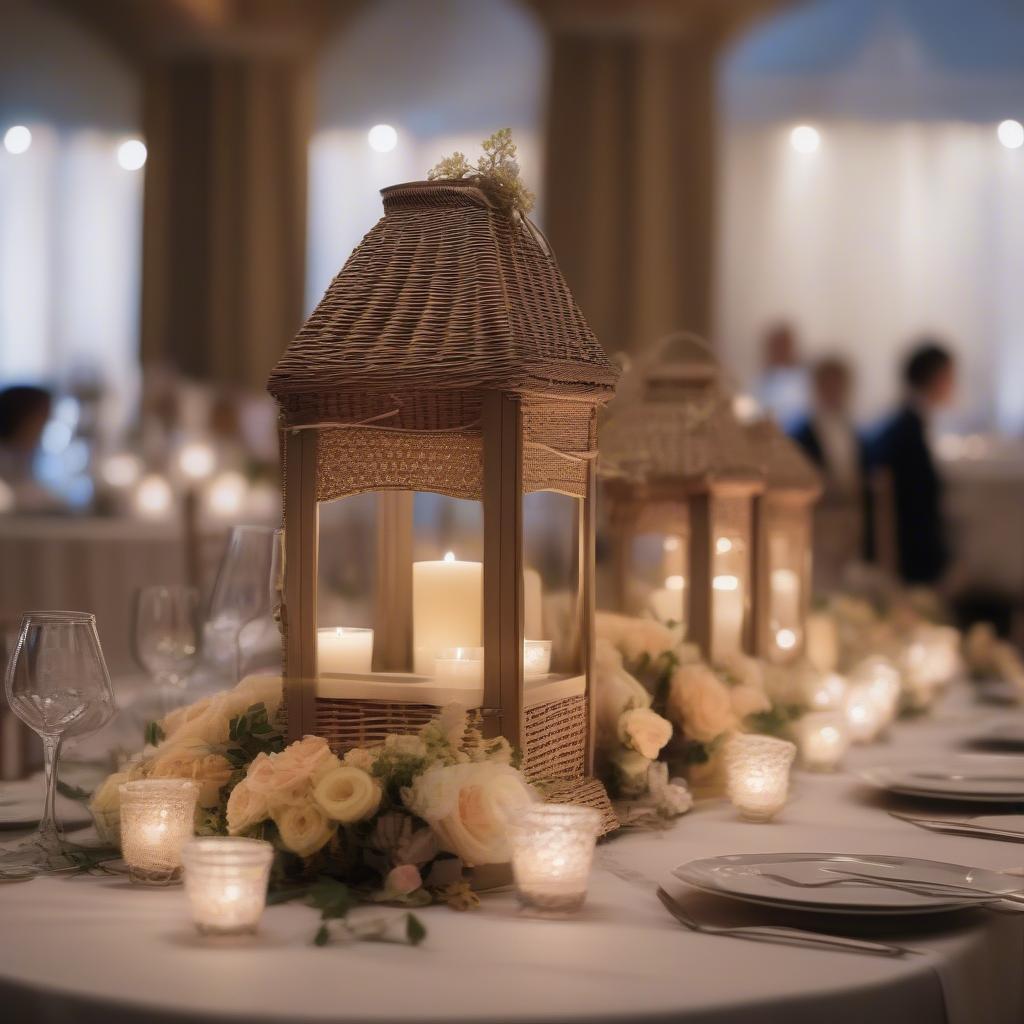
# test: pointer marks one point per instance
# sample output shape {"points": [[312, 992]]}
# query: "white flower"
{"points": [[746, 671], [748, 700], [304, 828], [359, 757], [635, 637], [265, 690], [469, 807], [347, 795], [645, 731], [452, 723], [615, 691], [405, 746], [699, 703], [206, 720], [245, 808], [672, 797]]}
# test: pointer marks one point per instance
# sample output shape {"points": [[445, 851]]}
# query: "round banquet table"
{"points": [[96, 949]]}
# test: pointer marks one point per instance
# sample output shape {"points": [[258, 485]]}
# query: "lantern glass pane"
{"points": [[788, 554], [730, 574]]}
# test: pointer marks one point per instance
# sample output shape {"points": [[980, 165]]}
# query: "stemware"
{"points": [[241, 596], [57, 683], [166, 637]]}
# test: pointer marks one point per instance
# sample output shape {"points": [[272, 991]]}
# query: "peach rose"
{"points": [[191, 759], [245, 808], [207, 720], [644, 731], [748, 700], [699, 703], [303, 828]]}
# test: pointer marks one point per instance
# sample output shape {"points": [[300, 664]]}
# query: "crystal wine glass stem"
{"points": [[49, 830]]}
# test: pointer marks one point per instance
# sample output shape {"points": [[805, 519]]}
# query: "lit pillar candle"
{"points": [[552, 852], [757, 774], [342, 649], [157, 819], [726, 615], [447, 609], [785, 609], [226, 882], [536, 658], [823, 739]]}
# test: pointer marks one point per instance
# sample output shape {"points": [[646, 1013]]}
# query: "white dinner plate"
{"points": [[995, 780], [743, 877], [21, 804]]}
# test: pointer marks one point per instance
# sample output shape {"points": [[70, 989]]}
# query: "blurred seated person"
{"points": [[830, 440], [24, 413], [902, 452], [782, 387]]}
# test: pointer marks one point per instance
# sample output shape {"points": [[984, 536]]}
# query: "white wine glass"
{"points": [[57, 683], [166, 636]]}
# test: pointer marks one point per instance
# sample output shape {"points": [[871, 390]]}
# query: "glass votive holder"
{"points": [[822, 739], [757, 774], [226, 882], [157, 819], [552, 851], [536, 658], [863, 714]]}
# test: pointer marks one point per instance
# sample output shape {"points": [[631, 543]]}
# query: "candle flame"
{"points": [[449, 556], [726, 583]]}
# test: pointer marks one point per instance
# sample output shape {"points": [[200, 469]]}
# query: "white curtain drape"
{"points": [[70, 235], [887, 230]]}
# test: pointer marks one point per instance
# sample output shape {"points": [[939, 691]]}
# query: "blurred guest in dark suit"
{"points": [[830, 440], [902, 452], [24, 412]]}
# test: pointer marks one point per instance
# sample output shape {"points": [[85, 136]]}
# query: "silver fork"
{"points": [[914, 887], [961, 828], [781, 934], [965, 892]]}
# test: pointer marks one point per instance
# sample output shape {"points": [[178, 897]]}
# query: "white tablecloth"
{"points": [[97, 949]]}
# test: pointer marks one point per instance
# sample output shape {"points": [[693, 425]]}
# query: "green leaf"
{"points": [[153, 734], [322, 937], [415, 931]]}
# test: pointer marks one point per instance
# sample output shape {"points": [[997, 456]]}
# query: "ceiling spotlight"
{"points": [[1011, 133], [17, 139], [382, 138], [131, 154], [804, 139]]}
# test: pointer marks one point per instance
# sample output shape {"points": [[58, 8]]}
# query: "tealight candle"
{"points": [[823, 739], [344, 649], [826, 690], [863, 715], [552, 851], [536, 658], [460, 664], [157, 819], [757, 774], [226, 882], [882, 680]]}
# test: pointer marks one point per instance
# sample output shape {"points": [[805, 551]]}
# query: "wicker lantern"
{"points": [[447, 360], [783, 524], [679, 478]]}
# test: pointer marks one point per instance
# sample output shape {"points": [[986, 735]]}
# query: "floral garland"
{"points": [[397, 823]]}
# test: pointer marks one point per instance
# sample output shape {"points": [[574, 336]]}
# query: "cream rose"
{"points": [[191, 759], [245, 808], [265, 690], [105, 808], [207, 720], [310, 757], [748, 700], [347, 795], [359, 757], [469, 807], [699, 703], [645, 731], [304, 828]]}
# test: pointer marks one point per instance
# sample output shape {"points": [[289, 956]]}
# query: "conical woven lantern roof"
{"points": [[673, 420], [784, 465], [446, 293]]}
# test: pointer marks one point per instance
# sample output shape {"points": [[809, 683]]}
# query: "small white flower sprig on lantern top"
{"points": [[394, 823]]}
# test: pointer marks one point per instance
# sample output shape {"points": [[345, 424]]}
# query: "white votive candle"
{"points": [[826, 691], [447, 608], [344, 649], [536, 658], [863, 715], [460, 665], [226, 882], [552, 851], [757, 774], [823, 739], [157, 819]]}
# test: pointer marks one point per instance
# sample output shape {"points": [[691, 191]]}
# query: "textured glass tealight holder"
{"points": [[757, 775], [552, 851], [822, 739], [226, 883], [157, 819]]}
